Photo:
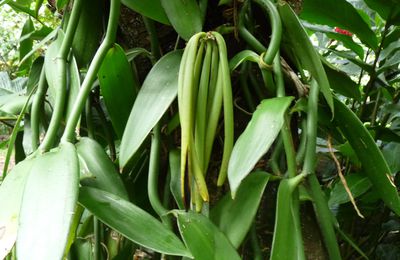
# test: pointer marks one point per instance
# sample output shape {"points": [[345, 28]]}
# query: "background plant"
{"points": [[231, 131]]}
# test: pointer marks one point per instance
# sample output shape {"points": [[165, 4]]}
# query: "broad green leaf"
{"points": [[390, 152], [89, 31], [175, 171], [287, 242], [118, 98], [300, 47], [131, 221], [377, 170], [340, 82], [224, 2], [157, 93], [341, 14], [185, 16], [346, 40], [34, 74], [352, 58], [51, 66], [25, 46], [12, 104], [61, 4], [97, 169], [228, 214], [149, 8], [11, 191], [239, 58], [358, 185], [48, 204], [387, 9], [265, 124], [203, 238], [40, 45]]}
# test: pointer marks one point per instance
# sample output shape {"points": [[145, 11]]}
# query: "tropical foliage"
{"points": [[236, 139]]}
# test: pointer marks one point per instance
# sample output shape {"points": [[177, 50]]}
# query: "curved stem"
{"points": [[61, 66], [154, 169], [69, 132]]}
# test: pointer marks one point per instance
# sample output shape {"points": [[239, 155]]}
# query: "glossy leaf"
{"points": [[340, 82], [34, 74], [89, 31], [185, 16], [358, 185], [131, 221], [303, 51], [341, 14], [387, 9], [61, 4], [149, 8], [265, 123], [97, 169], [365, 147], [119, 97], [25, 46], [160, 87], [11, 191], [228, 214], [239, 58], [48, 204], [39, 45], [204, 239]]}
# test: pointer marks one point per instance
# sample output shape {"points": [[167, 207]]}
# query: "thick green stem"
{"points": [[69, 133], [154, 169], [61, 65], [155, 43]]}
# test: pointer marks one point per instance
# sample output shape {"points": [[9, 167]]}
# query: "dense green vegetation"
{"points": [[239, 130]]}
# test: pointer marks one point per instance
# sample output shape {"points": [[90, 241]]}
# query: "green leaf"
{"points": [[204, 239], [40, 45], [11, 191], [185, 16], [239, 58], [149, 8], [341, 14], [365, 147], [88, 34], [48, 204], [25, 46], [34, 74], [51, 67], [303, 51], [287, 242], [228, 214], [131, 221], [98, 168], [390, 152], [387, 9], [38, 4], [61, 4], [118, 98], [358, 185], [340, 82], [265, 124], [160, 87]]}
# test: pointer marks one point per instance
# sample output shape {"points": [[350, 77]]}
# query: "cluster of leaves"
{"points": [[109, 166]]}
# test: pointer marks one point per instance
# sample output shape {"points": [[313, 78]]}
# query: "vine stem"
{"points": [[69, 132], [61, 66]]}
